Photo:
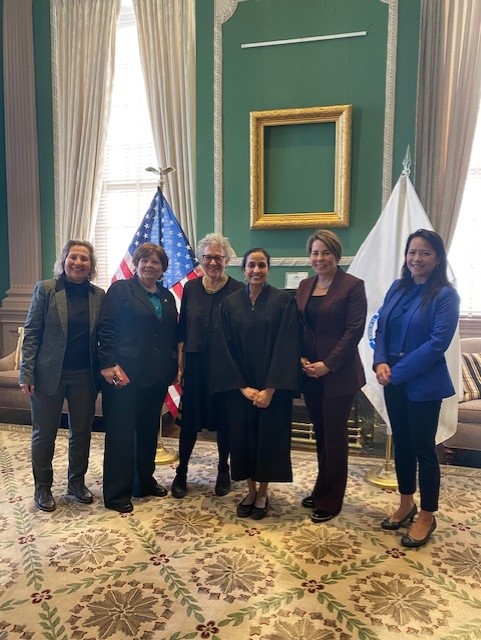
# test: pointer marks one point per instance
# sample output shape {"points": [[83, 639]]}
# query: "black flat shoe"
{"points": [[258, 513], [179, 486], [80, 493], [44, 500], [394, 525], [128, 507], [222, 484], [157, 490], [412, 543], [244, 510], [318, 515], [308, 502]]}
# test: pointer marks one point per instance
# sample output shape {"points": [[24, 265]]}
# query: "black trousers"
{"points": [[414, 426], [329, 416], [132, 423], [77, 387]]}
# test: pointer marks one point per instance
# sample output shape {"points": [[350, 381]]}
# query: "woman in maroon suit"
{"points": [[332, 308]]}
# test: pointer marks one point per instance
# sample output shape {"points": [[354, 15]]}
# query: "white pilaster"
{"points": [[21, 151]]}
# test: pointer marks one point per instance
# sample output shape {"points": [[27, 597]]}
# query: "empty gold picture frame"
{"points": [[341, 116]]}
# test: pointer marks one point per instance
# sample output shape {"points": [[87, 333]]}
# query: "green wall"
{"points": [[348, 71], [309, 74]]}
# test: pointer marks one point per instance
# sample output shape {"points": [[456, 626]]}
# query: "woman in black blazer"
{"points": [[332, 308], [138, 359]]}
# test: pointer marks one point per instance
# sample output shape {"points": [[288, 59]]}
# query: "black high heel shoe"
{"points": [[394, 525], [413, 543]]}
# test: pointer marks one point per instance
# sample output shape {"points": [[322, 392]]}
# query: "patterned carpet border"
{"points": [[181, 569]]}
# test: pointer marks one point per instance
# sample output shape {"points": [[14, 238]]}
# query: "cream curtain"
{"points": [[166, 30], [448, 103], [83, 34]]}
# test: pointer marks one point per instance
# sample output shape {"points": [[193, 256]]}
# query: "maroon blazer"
{"points": [[339, 328]]}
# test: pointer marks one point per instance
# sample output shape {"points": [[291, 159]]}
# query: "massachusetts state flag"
{"points": [[378, 262], [159, 225]]}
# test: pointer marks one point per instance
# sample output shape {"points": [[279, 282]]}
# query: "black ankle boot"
{"points": [[222, 484], [179, 485]]}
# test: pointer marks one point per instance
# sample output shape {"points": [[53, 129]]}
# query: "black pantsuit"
{"points": [[132, 335], [414, 426], [138, 409]]}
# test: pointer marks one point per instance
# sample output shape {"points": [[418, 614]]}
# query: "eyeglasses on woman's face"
{"points": [[207, 257]]}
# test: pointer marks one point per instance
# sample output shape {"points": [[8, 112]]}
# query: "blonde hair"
{"points": [[329, 238]]}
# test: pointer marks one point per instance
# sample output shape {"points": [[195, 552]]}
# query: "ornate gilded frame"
{"points": [[341, 115]]}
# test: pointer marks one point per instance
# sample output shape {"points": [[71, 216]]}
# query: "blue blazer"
{"points": [[427, 331]]}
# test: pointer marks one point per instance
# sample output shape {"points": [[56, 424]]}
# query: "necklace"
{"points": [[213, 289], [321, 288]]}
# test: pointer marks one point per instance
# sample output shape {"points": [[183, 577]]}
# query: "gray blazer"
{"points": [[45, 337]]}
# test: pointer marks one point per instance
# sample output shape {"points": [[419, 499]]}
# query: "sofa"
{"points": [[468, 433], [14, 404]]}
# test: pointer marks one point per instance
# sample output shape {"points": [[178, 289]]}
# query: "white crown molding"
{"points": [[290, 262]]}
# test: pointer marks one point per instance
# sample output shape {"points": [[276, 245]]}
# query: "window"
{"points": [[465, 252], [127, 189]]}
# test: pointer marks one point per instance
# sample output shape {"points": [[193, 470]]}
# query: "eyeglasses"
{"points": [[209, 258]]}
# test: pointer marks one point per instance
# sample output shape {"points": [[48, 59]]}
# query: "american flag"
{"points": [[159, 225]]}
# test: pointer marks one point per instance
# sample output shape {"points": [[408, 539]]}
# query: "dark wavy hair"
{"points": [[144, 251], [253, 250], [439, 277]]}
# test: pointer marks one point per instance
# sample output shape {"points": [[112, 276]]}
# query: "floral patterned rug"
{"points": [[179, 569]]}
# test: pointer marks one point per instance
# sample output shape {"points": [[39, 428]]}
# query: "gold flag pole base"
{"points": [[163, 455], [384, 478]]}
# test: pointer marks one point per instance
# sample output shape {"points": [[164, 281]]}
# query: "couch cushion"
{"points": [[471, 367], [470, 412], [9, 379]]}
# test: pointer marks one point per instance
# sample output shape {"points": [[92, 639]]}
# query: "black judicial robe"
{"points": [[258, 346], [199, 321]]}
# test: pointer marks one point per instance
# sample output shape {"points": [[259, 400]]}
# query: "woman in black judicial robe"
{"points": [[198, 323], [258, 365]]}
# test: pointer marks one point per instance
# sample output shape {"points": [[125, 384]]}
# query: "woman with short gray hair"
{"points": [[198, 322]]}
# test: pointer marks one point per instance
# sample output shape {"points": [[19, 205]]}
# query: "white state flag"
{"points": [[378, 262]]}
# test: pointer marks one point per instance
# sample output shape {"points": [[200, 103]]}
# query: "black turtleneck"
{"points": [[77, 352]]}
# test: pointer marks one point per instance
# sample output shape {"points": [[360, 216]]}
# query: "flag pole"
{"points": [[162, 455], [385, 478]]}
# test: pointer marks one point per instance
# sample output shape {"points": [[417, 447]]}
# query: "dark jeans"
{"points": [[77, 387], [414, 426]]}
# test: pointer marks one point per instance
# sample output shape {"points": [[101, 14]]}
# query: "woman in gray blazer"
{"points": [[59, 361]]}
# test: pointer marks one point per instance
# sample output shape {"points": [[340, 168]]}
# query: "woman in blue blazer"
{"points": [[138, 359], [416, 325]]}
